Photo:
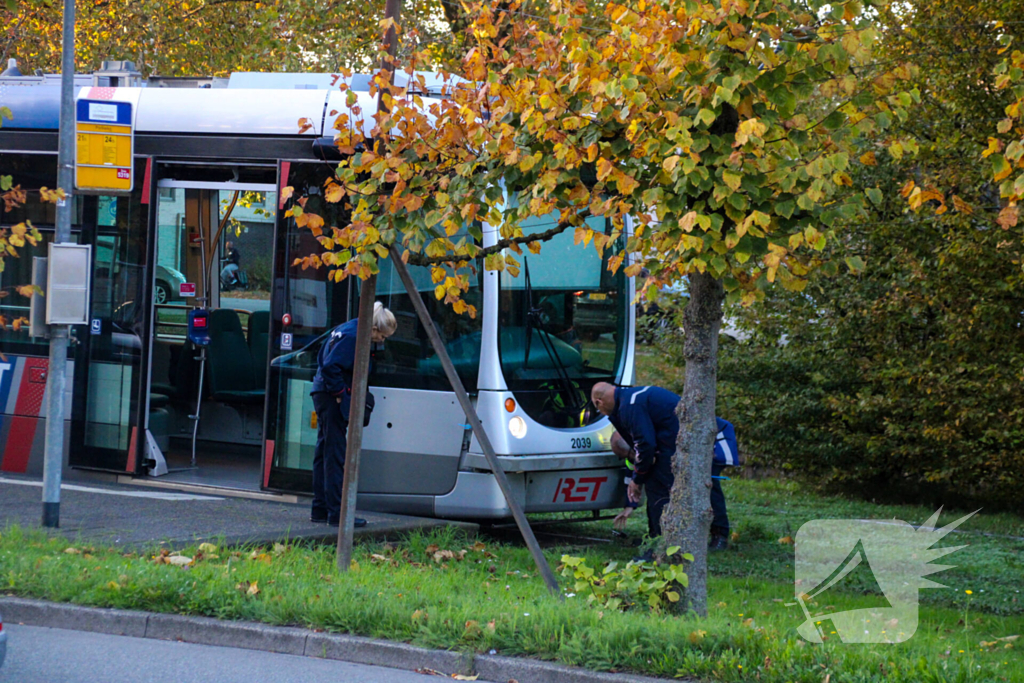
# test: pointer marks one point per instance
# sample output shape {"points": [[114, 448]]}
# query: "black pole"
{"points": [[478, 429]]}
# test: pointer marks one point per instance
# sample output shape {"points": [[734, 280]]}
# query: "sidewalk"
{"points": [[302, 642], [135, 516]]}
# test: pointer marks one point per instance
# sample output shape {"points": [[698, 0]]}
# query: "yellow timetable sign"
{"points": [[104, 146]]}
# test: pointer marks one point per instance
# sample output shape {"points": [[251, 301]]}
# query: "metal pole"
{"points": [[56, 377], [478, 429], [354, 443]]}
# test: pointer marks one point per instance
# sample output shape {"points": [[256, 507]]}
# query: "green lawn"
{"points": [[492, 598]]}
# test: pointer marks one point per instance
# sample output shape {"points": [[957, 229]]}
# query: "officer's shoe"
{"points": [[313, 519], [360, 522], [718, 542], [646, 556]]}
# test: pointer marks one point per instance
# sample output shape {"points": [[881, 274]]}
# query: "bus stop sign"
{"points": [[104, 146]]}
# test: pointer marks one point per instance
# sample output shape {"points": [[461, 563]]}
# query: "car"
{"points": [[167, 288], [3, 641]]}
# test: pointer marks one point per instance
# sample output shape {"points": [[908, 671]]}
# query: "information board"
{"points": [[104, 146]]}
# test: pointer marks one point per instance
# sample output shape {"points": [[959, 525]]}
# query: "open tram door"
{"points": [[212, 250], [109, 400]]}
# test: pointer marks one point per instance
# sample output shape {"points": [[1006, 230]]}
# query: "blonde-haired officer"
{"points": [[332, 399]]}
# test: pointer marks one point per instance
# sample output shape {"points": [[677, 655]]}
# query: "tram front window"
{"points": [[562, 327]]}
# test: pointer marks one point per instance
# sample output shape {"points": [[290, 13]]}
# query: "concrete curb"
{"points": [[297, 641]]}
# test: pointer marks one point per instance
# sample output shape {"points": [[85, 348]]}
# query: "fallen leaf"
{"points": [[179, 560], [479, 546], [207, 548], [1008, 638], [462, 677], [254, 589], [786, 540], [72, 551], [279, 548], [697, 636], [432, 548]]}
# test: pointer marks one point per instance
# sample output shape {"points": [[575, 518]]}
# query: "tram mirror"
{"points": [[199, 327], [68, 282]]}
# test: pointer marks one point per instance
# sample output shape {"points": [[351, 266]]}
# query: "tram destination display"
{"points": [[104, 146]]}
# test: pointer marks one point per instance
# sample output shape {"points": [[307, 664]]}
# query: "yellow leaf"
{"points": [[334, 193], [993, 146], [786, 540]]}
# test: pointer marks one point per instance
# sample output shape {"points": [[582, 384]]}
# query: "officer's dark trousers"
{"points": [[720, 522], [328, 458], [657, 498]]}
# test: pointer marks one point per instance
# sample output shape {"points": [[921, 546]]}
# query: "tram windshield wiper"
{"points": [[534, 320]]}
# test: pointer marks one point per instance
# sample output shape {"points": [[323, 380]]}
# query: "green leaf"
{"points": [[875, 195], [672, 550], [855, 263], [733, 180], [706, 116], [6, 182]]}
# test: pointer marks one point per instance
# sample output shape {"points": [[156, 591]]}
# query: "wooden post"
{"points": [[354, 442], [361, 370], [478, 429]]}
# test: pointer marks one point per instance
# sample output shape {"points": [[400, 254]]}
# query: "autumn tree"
{"points": [[901, 382], [214, 37], [680, 117]]}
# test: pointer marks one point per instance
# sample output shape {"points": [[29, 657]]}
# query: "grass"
{"points": [[493, 599]]}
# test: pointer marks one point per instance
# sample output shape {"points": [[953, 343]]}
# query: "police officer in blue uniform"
{"points": [[645, 420], [332, 398]]}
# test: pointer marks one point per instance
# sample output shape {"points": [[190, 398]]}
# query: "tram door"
{"points": [[213, 247], [108, 405]]}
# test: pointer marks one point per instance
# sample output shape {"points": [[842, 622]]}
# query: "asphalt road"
{"points": [[49, 655]]}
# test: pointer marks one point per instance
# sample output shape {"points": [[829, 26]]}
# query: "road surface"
{"points": [[50, 655]]}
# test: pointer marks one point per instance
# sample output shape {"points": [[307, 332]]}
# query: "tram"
{"points": [[211, 157]]}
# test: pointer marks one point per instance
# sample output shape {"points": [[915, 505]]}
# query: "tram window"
{"points": [[407, 359], [18, 271], [562, 326]]}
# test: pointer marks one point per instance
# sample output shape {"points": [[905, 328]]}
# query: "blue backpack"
{"points": [[727, 453]]}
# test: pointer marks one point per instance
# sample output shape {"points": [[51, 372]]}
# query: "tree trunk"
{"points": [[686, 519]]}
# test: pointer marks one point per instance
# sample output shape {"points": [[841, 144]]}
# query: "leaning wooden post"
{"points": [[361, 370], [478, 429], [354, 443]]}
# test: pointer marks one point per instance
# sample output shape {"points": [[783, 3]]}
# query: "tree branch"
{"points": [[421, 260]]}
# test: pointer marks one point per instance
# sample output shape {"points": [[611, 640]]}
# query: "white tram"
{"points": [[211, 156]]}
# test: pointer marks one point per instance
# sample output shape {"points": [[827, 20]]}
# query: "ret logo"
{"points": [[891, 556]]}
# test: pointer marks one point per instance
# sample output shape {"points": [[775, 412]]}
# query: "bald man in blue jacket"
{"points": [[645, 417]]}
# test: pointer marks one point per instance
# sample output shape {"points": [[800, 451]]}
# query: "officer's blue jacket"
{"points": [[646, 418], [727, 453], [335, 362]]}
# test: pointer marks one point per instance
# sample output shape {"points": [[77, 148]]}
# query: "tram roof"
{"points": [[247, 103]]}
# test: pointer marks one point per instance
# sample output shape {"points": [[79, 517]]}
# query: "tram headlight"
{"points": [[517, 427]]}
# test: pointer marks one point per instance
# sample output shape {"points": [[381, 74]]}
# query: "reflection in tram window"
{"points": [[562, 323], [407, 359]]}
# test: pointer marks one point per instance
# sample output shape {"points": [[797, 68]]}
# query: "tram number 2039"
{"points": [[581, 442]]}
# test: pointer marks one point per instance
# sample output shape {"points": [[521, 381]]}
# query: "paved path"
{"points": [[135, 516], [49, 655]]}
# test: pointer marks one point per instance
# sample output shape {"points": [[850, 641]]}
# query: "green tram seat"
{"points": [[232, 374]]}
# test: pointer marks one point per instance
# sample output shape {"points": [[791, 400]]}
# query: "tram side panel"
{"points": [[23, 413]]}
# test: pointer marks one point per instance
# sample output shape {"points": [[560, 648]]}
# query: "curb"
{"points": [[297, 641]]}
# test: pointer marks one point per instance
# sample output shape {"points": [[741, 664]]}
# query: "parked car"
{"points": [[167, 285], [3, 641]]}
